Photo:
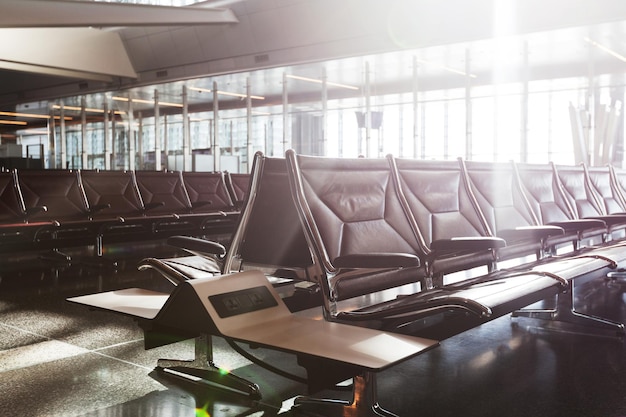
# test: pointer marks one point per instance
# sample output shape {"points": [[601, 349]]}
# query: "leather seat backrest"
{"points": [[58, 190], [116, 188], [164, 188], [437, 195], [619, 181], [238, 185], [604, 187], [210, 188], [351, 207], [495, 187], [11, 208], [578, 192], [541, 187], [270, 230]]}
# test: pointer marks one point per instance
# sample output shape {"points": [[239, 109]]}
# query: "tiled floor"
{"points": [[61, 359]]}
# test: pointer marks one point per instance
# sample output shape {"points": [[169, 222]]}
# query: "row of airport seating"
{"points": [[361, 226], [427, 248], [57, 209]]}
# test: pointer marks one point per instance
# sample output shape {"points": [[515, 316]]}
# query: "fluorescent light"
{"points": [[226, 93], [31, 115], [318, 81], [443, 67], [87, 109], [34, 132], [138, 100], [13, 122], [606, 49]]}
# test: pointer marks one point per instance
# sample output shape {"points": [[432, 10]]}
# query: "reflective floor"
{"points": [[60, 359]]}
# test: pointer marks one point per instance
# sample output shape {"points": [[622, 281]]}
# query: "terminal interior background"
{"points": [[530, 81], [490, 81]]}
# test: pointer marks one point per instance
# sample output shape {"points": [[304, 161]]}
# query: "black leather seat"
{"points": [[497, 192], [438, 198], [362, 236], [546, 199]]}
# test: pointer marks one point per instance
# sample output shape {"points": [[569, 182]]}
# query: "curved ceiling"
{"points": [[454, 42]]}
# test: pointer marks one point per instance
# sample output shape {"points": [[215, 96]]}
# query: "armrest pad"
{"points": [[99, 207], [196, 245], [377, 260], [201, 203], [35, 209], [467, 244], [536, 233], [154, 205], [610, 219], [579, 225]]}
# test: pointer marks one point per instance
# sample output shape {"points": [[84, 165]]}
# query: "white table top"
{"points": [[274, 327]]}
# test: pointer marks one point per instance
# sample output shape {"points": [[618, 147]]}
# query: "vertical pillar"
{"points": [[113, 140], [368, 110], [165, 142], [468, 107], [83, 134], [524, 110], [140, 147], [285, 114], [324, 138], [52, 161], [187, 166], [216, 129], [63, 137], [249, 127], [157, 132], [231, 137], [107, 135], [416, 114], [590, 124], [340, 135], [131, 136]]}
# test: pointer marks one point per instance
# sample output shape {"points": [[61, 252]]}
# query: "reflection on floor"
{"points": [[59, 359]]}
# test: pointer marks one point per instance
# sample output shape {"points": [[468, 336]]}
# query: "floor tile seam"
{"points": [[96, 351]]}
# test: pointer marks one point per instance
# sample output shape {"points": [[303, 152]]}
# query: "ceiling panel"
{"points": [[306, 38]]}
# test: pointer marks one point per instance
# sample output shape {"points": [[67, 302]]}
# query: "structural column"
{"points": [[113, 140], [157, 132], [63, 137], [187, 165], [286, 136], [248, 127], [524, 116], [140, 149], [83, 131], [131, 136], [468, 107], [324, 139], [416, 114], [52, 162], [165, 142], [216, 129], [368, 111], [107, 136]]}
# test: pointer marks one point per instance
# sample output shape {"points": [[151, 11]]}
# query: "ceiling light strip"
{"points": [[13, 122], [226, 93], [606, 49], [318, 81], [443, 67], [29, 115], [139, 100], [87, 109]]}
